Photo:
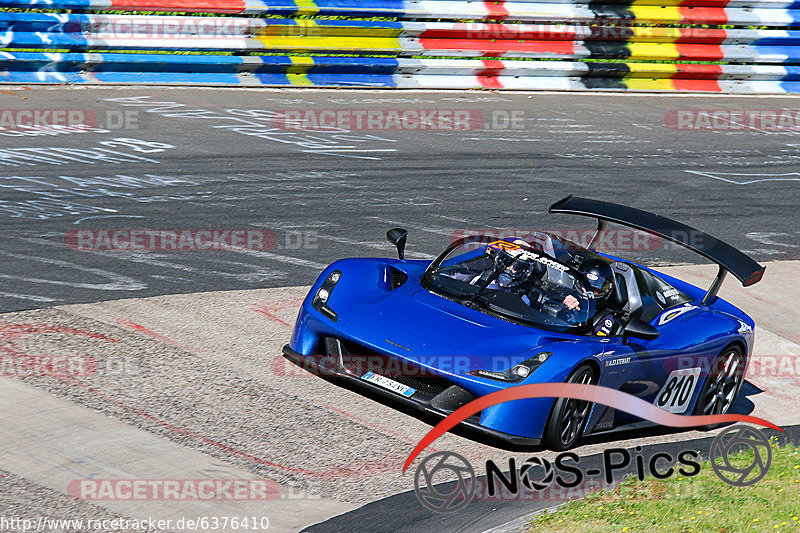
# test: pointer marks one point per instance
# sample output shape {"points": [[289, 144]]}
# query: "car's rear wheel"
{"points": [[725, 378], [568, 417]]}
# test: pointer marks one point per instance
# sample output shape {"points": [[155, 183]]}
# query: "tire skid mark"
{"points": [[138, 327], [268, 312], [385, 430], [9, 333], [338, 473]]}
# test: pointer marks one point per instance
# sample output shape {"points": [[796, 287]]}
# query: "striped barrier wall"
{"points": [[80, 47], [163, 69], [446, 9], [261, 6], [99, 26], [125, 32]]}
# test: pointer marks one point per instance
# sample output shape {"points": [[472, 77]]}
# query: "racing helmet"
{"points": [[600, 276], [514, 274]]}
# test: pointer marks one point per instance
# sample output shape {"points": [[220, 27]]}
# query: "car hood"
{"points": [[414, 323]]}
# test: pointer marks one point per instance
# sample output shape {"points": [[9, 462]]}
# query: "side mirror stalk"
{"points": [[398, 236]]}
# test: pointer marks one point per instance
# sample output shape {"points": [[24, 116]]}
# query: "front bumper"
{"points": [[327, 366]]}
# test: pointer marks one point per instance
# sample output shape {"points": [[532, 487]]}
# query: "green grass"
{"points": [[701, 503]]}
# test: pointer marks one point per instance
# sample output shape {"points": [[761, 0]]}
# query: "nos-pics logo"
{"points": [[445, 481]]}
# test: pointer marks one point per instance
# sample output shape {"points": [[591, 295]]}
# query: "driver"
{"points": [[519, 277], [513, 278], [601, 279]]}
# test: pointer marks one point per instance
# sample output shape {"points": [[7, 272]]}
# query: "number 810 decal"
{"points": [[674, 396]]}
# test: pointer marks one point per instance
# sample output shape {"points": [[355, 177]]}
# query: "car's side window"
{"points": [[657, 294]]}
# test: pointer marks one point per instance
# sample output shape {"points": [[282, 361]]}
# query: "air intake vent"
{"points": [[397, 277]]}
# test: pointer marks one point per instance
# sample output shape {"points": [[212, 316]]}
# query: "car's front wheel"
{"points": [[725, 378], [568, 417]]}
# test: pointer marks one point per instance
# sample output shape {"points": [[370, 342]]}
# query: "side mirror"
{"points": [[398, 236], [640, 329]]}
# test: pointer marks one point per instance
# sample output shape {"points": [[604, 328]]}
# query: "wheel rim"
{"points": [[726, 378], [574, 413]]}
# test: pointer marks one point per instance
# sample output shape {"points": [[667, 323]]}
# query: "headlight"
{"points": [[320, 300], [515, 373]]}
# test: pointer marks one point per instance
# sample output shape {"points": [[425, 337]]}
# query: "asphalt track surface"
{"points": [[203, 159]]}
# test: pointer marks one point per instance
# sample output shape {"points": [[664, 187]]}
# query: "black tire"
{"points": [[722, 385], [568, 417]]}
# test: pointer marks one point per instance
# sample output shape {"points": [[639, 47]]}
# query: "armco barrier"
{"points": [[392, 72], [650, 40]]}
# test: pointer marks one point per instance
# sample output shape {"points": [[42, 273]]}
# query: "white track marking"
{"points": [[119, 283], [283, 259], [269, 255], [767, 177], [373, 245], [31, 297], [436, 230]]}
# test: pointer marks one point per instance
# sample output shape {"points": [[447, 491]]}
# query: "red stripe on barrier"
{"points": [[497, 10], [488, 77], [696, 85], [500, 47], [473, 31], [701, 35], [696, 78], [704, 52], [209, 6], [704, 3], [703, 15], [698, 72]]}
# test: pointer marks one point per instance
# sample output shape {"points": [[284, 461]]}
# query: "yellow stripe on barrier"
{"points": [[651, 70], [659, 51], [642, 84], [645, 13], [306, 7], [649, 33], [307, 35], [649, 85], [297, 74]]}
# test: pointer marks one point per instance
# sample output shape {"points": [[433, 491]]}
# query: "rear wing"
{"points": [[729, 259]]}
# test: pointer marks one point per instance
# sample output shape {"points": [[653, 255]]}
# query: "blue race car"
{"points": [[488, 314]]}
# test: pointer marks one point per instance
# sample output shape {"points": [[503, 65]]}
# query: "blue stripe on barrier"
{"points": [[792, 73], [167, 77], [791, 54], [354, 80], [77, 23], [341, 23], [31, 67], [46, 4], [791, 37], [168, 63], [352, 65]]}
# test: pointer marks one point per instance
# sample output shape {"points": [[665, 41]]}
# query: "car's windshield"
{"points": [[514, 280]]}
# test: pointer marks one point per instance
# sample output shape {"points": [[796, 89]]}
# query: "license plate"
{"points": [[386, 383]]}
